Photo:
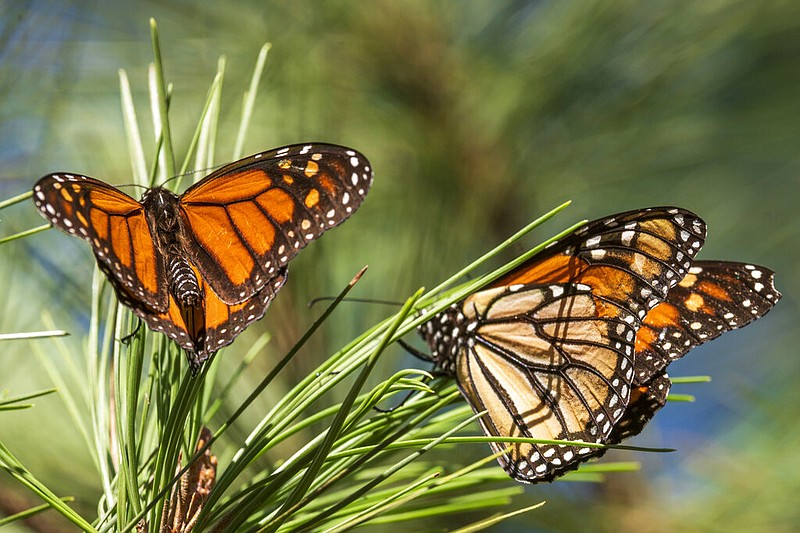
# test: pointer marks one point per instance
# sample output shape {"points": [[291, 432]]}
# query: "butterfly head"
{"points": [[162, 208]]}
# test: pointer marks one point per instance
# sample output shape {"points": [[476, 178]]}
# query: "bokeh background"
{"points": [[478, 117]]}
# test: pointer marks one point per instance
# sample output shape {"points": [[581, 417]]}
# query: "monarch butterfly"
{"points": [[202, 266], [574, 343]]}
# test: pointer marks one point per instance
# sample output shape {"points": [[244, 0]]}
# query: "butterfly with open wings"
{"points": [[574, 343], [202, 266]]}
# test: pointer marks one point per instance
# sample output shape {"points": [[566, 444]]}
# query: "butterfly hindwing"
{"points": [[645, 401], [116, 227], [250, 218], [544, 364], [204, 331]]}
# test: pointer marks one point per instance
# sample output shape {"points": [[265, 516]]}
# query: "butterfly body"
{"points": [[574, 343], [203, 265], [167, 230]]}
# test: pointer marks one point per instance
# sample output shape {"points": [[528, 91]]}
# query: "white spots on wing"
{"points": [[627, 237], [305, 149], [593, 241], [354, 161]]}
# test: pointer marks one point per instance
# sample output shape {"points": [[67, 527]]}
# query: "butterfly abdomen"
{"points": [[183, 283], [162, 209]]}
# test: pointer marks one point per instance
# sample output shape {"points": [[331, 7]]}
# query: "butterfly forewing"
{"points": [[250, 218], [714, 297], [630, 260], [116, 227]]}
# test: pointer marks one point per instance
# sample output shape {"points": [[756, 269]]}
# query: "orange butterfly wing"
{"points": [[115, 225], [249, 218], [544, 364]]}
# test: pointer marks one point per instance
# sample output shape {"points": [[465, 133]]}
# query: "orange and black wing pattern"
{"points": [[548, 349], [249, 218], [630, 259], [204, 331], [116, 227], [545, 364], [714, 297]]}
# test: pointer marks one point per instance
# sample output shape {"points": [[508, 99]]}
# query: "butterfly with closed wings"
{"points": [[574, 343], [202, 266]]}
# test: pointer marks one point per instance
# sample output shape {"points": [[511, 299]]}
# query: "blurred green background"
{"points": [[477, 117]]}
